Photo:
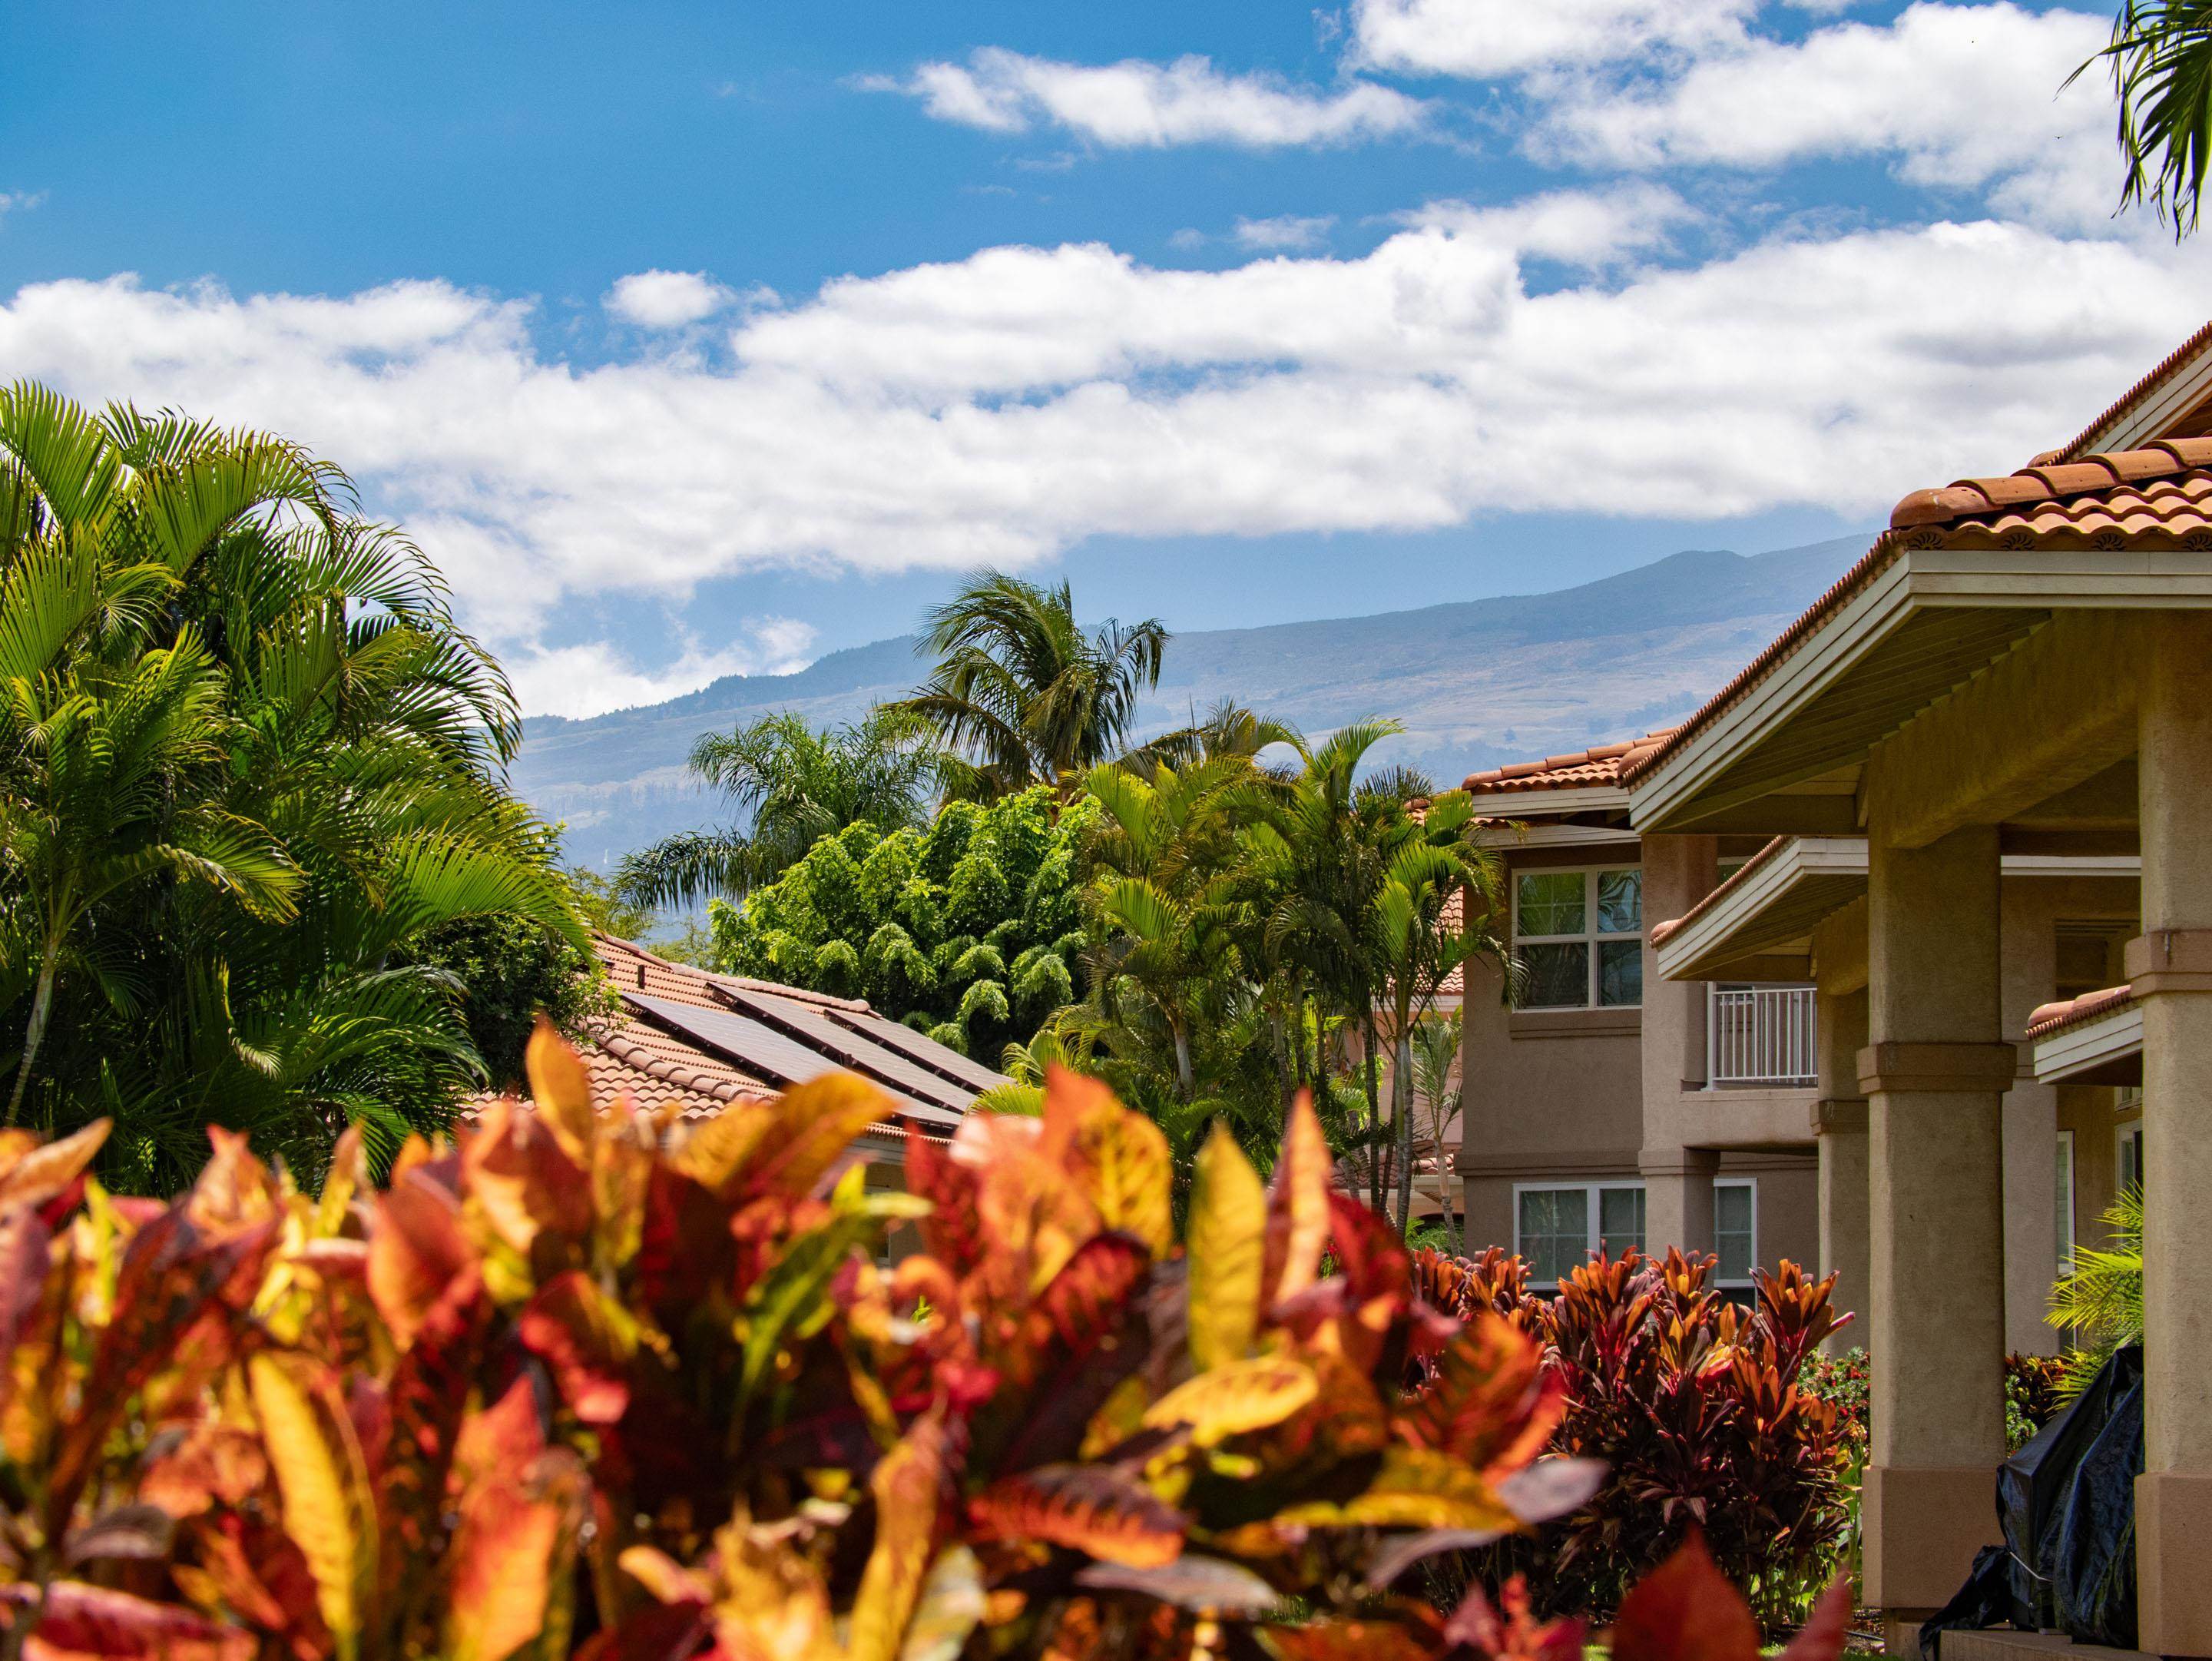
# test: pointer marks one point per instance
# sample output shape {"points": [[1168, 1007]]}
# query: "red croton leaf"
{"points": [[1088, 1508], [78, 1623], [1685, 1610], [1823, 1637], [578, 1331]]}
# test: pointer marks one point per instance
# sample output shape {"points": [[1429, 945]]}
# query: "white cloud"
{"points": [[1487, 39], [1285, 232], [666, 300], [594, 677], [1005, 406], [1136, 103], [1962, 96], [20, 201]]}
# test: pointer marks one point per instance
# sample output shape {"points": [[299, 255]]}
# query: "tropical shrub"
{"points": [[567, 1380], [249, 762], [968, 930], [1692, 1403], [2035, 1391]]}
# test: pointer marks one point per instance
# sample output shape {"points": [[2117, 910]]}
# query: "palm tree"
{"points": [[1021, 690], [1441, 1092], [795, 784], [2161, 58], [1418, 937], [247, 759], [2101, 1296]]}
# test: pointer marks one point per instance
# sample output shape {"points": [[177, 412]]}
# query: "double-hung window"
{"points": [[1579, 938], [1735, 1230], [1556, 1229]]}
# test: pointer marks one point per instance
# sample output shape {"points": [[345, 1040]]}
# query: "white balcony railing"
{"points": [[1759, 1035]]}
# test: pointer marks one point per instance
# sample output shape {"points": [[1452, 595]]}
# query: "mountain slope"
{"points": [[1476, 682]]}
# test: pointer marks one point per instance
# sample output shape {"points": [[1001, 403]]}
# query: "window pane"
{"points": [[1559, 976], [1555, 1231], [1551, 903], [2064, 1191], [1619, 1220], [1732, 1232], [1620, 971], [1620, 902]]}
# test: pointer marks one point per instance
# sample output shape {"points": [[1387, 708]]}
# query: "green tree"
{"points": [[2160, 60], [792, 784], [1023, 694], [247, 759], [1441, 1092], [2101, 1296], [967, 930]]}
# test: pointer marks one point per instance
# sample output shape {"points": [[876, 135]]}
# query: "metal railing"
{"points": [[1759, 1035]]}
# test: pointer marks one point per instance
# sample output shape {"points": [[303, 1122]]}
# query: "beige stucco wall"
{"points": [[1567, 1094]]}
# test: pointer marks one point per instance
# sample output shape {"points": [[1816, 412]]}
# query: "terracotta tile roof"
{"points": [[634, 1054], [1599, 765], [2050, 1018], [2180, 355], [2158, 496]]}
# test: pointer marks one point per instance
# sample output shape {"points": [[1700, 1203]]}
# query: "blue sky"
{"points": [[699, 337]]}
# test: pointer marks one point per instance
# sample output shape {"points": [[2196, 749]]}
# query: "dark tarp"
{"points": [[2067, 1504]]}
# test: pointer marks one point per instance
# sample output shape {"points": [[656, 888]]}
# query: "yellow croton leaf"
{"points": [[509, 1557], [1228, 1249], [1300, 1219], [1127, 1168], [1413, 1488], [786, 1146], [1234, 1399], [329, 1510], [906, 1486], [562, 1088]]}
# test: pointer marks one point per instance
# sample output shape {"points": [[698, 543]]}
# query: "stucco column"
{"points": [[2030, 1124], [2171, 969], [1839, 1125], [1934, 1075], [1677, 1180]]}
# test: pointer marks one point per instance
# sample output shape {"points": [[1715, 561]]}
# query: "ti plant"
{"points": [[576, 1382]]}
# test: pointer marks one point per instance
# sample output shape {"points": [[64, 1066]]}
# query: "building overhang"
{"points": [[1759, 924], [1534, 803], [2094, 1040], [1905, 629]]}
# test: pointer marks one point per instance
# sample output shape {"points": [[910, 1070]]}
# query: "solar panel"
{"points": [[925, 1050], [756, 1045], [809, 1024]]}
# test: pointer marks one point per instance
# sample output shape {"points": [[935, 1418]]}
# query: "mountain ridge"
{"points": [[1477, 683]]}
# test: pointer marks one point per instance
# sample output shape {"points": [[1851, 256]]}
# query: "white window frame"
{"points": [[1594, 1205], [1589, 936], [2063, 1214], [1752, 1257]]}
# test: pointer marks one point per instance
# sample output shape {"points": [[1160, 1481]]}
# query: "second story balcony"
{"points": [[1759, 1037]]}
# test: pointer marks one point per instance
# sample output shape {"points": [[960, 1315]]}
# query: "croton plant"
{"points": [[576, 1381]]}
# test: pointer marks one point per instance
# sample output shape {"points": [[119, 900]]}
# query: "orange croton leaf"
{"points": [[784, 1148], [517, 1178], [510, 1555], [32, 1173], [1298, 1204], [1227, 1236], [1685, 1610], [216, 1464], [1493, 1402], [1095, 1509], [1823, 1637], [588, 1340], [416, 1250], [561, 1088], [1086, 1302]]}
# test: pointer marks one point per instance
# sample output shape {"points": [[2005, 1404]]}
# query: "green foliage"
{"points": [[2161, 58], [966, 929], [2035, 1391], [794, 784], [249, 763], [509, 970], [2101, 1296]]}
